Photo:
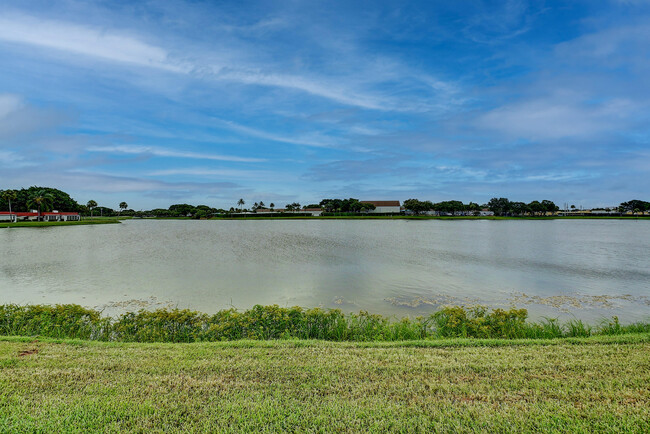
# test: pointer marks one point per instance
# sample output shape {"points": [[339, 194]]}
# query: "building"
{"points": [[315, 212], [384, 206], [53, 216]]}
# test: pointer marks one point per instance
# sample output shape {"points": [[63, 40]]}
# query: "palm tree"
{"points": [[41, 200], [241, 203], [123, 206], [91, 204], [9, 195], [272, 205], [261, 205]]}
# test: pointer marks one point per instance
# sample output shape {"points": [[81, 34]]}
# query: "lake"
{"points": [[587, 269]]}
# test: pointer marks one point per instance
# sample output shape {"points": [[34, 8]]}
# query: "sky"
{"points": [[206, 102]]}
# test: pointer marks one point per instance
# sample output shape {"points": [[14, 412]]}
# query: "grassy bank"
{"points": [[424, 217], [88, 221], [274, 322], [597, 384]]}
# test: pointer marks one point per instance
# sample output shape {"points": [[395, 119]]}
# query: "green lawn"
{"points": [[87, 221], [597, 384]]}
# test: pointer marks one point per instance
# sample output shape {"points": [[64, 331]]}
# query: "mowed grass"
{"points": [[93, 221], [595, 384]]}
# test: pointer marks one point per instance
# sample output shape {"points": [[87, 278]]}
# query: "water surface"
{"points": [[582, 268]]}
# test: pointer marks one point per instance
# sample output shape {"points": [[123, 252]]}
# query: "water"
{"points": [[561, 268]]}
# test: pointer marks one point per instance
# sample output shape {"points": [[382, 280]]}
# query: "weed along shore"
{"points": [[278, 381], [275, 322]]}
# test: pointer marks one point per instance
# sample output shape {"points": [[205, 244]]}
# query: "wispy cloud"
{"points": [[105, 44], [162, 152]]}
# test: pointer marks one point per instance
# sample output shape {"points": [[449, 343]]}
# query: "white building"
{"points": [[384, 206]]}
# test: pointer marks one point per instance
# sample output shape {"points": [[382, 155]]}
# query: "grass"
{"points": [[274, 322], [87, 221], [425, 217], [596, 384]]}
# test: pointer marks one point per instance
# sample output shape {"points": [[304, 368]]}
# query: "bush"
{"points": [[274, 322]]}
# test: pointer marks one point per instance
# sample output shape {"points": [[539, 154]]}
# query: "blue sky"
{"points": [[162, 102]]}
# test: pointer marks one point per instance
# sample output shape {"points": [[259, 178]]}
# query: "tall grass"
{"points": [[274, 322]]}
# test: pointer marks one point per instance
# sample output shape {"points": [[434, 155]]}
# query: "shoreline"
{"points": [[4, 225], [272, 322]]}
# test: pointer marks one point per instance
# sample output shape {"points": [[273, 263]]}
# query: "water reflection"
{"points": [[390, 267]]}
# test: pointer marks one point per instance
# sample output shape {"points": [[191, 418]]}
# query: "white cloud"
{"points": [[9, 104], [129, 48], [162, 152], [87, 41], [307, 141], [558, 117]]}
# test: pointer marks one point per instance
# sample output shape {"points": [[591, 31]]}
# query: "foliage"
{"points": [[61, 201], [635, 205], [275, 322], [350, 205]]}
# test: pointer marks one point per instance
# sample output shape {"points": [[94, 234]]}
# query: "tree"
{"points": [[41, 200], [500, 206], [9, 195], [272, 205], [417, 206], [123, 206], [91, 204], [241, 203], [261, 204]]}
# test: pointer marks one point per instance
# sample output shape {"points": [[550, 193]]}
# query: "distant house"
{"points": [[384, 206], [315, 212], [485, 212], [53, 216]]}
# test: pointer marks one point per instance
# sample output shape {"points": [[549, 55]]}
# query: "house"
{"points": [[315, 212], [384, 206], [53, 216], [485, 212]]}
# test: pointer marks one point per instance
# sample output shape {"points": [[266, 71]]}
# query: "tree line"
{"points": [[46, 199]]}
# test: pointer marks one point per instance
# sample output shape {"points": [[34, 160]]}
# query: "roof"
{"points": [[33, 214], [312, 209], [382, 202]]}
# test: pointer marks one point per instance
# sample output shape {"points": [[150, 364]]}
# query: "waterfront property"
{"points": [[53, 216], [384, 206]]}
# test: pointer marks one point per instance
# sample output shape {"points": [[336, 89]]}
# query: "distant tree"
{"points": [[9, 195], [91, 204], [42, 200], [123, 206], [549, 206], [261, 204], [182, 209], [500, 206], [635, 204], [241, 203], [289, 207], [272, 205], [415, 206]]}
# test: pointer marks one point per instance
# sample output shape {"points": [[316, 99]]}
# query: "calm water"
{"points": [[582, 268]]}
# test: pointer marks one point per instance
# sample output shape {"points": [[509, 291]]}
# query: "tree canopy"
{"points": [[61, 201]]}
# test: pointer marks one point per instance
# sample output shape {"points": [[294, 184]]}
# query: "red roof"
{"points": [[382, 202], [34, 214]]}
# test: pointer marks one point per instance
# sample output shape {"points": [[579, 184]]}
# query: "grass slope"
{"points": [[98, 221], [568, 385]]}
